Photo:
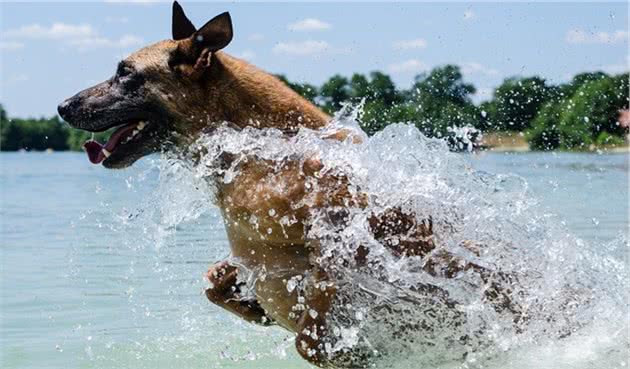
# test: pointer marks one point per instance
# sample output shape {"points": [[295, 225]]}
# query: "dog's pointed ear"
{"points": [[213, 36], [182, 26], [216, 34]]}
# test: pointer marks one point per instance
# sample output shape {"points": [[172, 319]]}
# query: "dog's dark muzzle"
{"points": [[101, 107]]}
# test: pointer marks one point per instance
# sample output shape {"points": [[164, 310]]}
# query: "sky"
{"points": [[49, 51]]}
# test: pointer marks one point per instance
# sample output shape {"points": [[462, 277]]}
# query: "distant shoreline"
{"points": [[515, 142]]}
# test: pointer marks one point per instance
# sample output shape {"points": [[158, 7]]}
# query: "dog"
{"points": [[164, 96]]}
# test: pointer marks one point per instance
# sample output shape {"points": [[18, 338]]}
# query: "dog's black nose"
{"points": [[66, 108], [63, 109]]}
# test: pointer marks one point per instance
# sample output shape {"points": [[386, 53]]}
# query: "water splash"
{"points": [[574, 295], [561, 287]]}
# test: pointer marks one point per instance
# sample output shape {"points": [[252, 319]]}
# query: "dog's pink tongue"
{"points": [[94, 151]]}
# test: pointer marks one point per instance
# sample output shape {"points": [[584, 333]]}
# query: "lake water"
{"points": [[94, 277]]}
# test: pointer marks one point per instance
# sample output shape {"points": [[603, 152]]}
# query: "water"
{"points": [[103, 269]]}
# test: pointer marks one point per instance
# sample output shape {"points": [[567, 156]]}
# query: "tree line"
{"points": [[571, 116], [41, 134]]}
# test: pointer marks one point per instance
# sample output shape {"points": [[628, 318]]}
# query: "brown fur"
{"points": [[232, 90]]}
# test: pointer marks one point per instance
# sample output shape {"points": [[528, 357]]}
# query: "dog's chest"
{"points": [[266, 204]]}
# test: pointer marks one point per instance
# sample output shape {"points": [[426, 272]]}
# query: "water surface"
{"points": [[87, 285]]}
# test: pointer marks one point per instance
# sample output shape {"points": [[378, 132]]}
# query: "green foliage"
{"points": [[307, 91], [587, 117], [593, 109], [606, 139], [444, 84], [334, 93], [41, 134], [544, 134], [516, 102], [381, 88], [3, 116], [570, 116], [442, 99], [359, 86], [33, 134], [568, 89]]}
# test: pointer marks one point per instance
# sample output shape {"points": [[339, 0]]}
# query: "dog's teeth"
{"points": [[135, 132], [140, 126], [106, 153]]}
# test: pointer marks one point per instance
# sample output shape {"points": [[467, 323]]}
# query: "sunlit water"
{"points": [[104, 269]]}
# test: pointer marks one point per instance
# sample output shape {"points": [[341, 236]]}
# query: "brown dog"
{"points": [[166, 94]]}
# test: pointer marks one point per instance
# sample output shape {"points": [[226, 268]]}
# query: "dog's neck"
{"points": [[245, 96], [248, 96]]}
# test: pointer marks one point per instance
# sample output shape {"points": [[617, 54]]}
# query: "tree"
{"points": [[3, 115], [334, 93], [568, 89], [380, 96], [306, 90], [442, 99], [359, 86], [516, 102], [381, 87], [4, 127], [444, 84], [34, 134], [544, 133], [587, 117], [593, 110]]}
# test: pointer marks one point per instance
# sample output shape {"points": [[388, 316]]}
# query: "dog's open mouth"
{"points": [[126, 134]]}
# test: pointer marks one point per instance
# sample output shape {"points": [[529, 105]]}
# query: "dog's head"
{"points": [[152, 97]]}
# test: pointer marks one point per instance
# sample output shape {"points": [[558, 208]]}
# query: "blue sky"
{"points": [[49, 51]]}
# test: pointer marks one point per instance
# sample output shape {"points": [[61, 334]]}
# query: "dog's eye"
{"points": [[124, 70]]}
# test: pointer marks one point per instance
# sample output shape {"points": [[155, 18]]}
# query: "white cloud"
{"points": [[408, 66], [469, 15], [256, 37], [83, 36], [11, 45], [418, 43], [309, 47], [102, 42], [477, 68], [309, 24], [579, 36], [55, 32]]}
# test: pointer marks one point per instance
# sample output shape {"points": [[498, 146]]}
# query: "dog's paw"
{"points": [[223, 281]]}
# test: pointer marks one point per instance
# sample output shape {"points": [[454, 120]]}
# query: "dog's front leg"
{"points": [[312, 328], [224, 292]]}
